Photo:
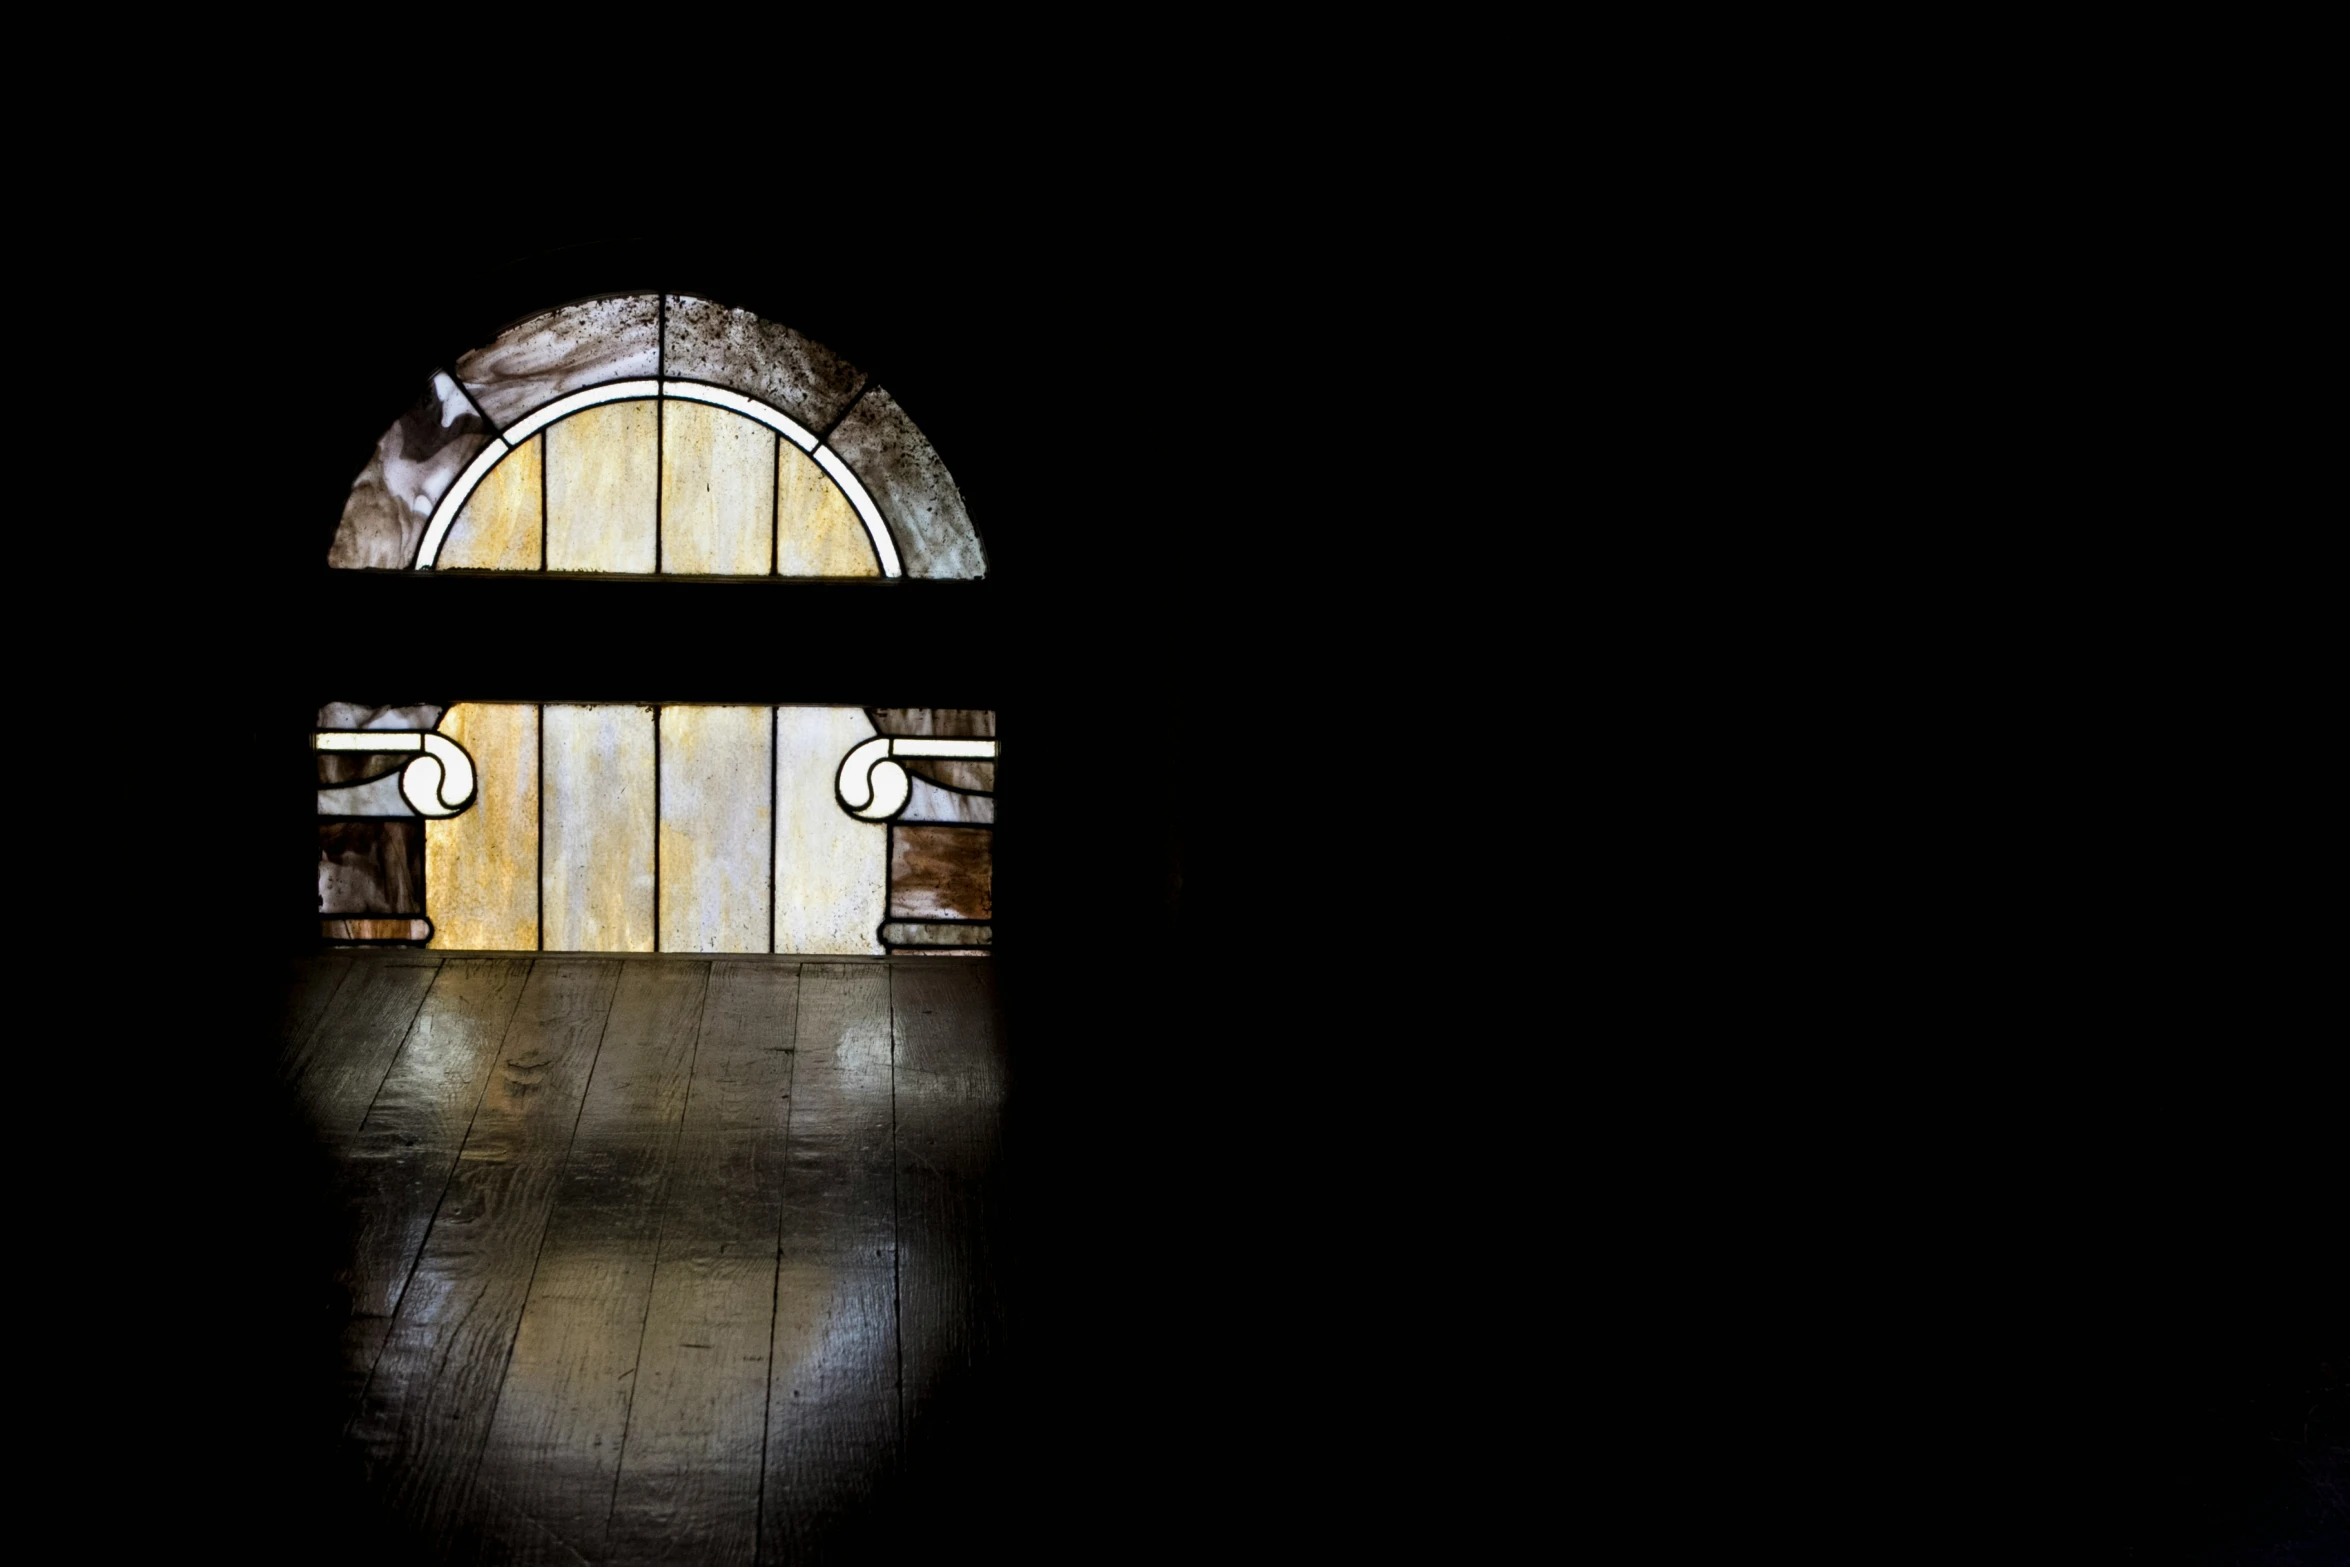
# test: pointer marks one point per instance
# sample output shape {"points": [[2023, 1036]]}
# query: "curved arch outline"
{"points": [[444, 515]]}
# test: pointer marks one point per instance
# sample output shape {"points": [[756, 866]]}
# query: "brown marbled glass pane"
{"points": [[498, 528], [376, 930], [925, 933], [371, 867], [910, 485], [941, 872], [338, 768], [414, 464], [603, 488], [717, 492], [536, 361], [817, 532]]}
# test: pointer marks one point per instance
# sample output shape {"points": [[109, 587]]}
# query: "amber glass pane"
{"points": [[603, 484], [599, 829], [498, 529], [817, 531], [481, 866], [717, 492], [716, 829]]}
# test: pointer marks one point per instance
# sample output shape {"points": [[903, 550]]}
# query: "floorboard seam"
{"points": [[636, 1365], [405, 1035], [546, 1223], [897, 1231], [291, 1065], [799, 994], [447, 1176]]}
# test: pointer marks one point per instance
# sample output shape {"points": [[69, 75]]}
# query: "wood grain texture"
{"points": [[311, 983], [352, 1048], [689, 1477], [832, 1427], [429, 1406], [395, 1168], [951, 1082], [554, 1448], [637, 1242]]}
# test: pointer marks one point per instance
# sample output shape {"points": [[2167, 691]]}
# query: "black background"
{"points": [[1872, 1085], [1107, 377]]}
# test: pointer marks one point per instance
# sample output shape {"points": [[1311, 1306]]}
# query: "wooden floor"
{"points": [[653, 1259]]}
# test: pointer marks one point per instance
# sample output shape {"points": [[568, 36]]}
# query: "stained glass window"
{"points": [[688, 827], [657, 435]]}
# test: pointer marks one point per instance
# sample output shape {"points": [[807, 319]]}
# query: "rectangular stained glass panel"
{"points": [[598, 800], [717, 492], [941, 872], [715, 829], [831, 870], [603, 488], [499, 526], [481, 866]]}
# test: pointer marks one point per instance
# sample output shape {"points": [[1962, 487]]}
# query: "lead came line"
{"points": [[661, 1206]]}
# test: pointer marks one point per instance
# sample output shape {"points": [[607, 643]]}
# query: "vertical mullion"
{"points": [[775, 512], [541, 813], [656, 828], [774, 822], [541, 439], [660, 485]]}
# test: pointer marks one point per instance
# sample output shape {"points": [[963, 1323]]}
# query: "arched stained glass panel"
{"points": [[657, 434]]}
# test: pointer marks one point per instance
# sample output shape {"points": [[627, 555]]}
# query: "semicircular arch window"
{"points": [[656, 435]]}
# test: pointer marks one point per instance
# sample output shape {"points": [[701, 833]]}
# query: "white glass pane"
{"points": [[599, 829], [716, 829], [831, 870]]}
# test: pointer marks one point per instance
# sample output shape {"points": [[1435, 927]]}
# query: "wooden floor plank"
{"points": [[951, 1080], [311, 983], [689, 1477], [554, 1448], [343, 1063], [396, 1166], [832, 1427], [430, 1404]]}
